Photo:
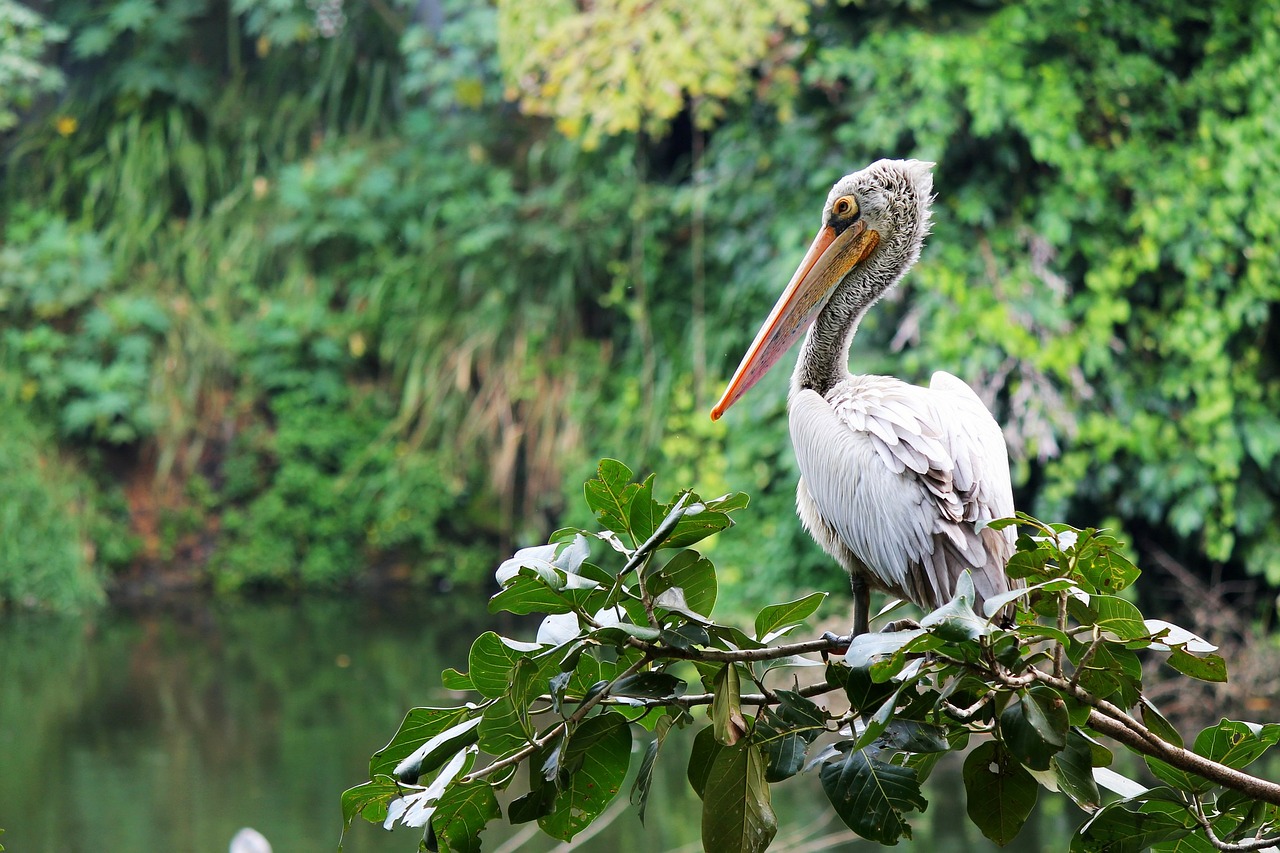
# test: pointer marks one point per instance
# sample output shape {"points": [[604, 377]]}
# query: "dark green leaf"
{"points": [[686, 636], [464, 810], [644, 777], [1155, 721], [777, 616], [1027, 739], [600, 748], [783, 750], [865, 695], [1000, 792], [525, 594], [701, 757], [1208, 667], [644, 513], [872, 796], [1176, 778], [1121, 828], [737, 816], [419, 726], [501, 730], [1111, 614], [1073, 769], [1236, 744], [491, 661], [437, 750], [912, 736], [649, 685], [801, 714], [691, 572]]}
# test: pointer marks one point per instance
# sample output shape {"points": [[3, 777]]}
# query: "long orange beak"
{"points": [[828, 261]]}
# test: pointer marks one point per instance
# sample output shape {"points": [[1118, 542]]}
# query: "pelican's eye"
{"points": [[846, 205]]}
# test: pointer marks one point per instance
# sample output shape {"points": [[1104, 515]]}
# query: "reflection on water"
{"points": [[170, 731]]}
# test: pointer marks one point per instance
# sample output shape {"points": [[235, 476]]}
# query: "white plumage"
{"points": [[896, 479]]}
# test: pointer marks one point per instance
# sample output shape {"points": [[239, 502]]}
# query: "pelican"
{"points": [[896, 479]]}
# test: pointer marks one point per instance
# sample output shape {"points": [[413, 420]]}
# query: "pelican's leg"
{"points": [[861, 605]]}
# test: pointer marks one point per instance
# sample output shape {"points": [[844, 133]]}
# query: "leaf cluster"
{"points": [[628, 645]]}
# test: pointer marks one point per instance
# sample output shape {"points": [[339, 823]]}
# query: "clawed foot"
{"points": [[839, 645], [900, 625]]}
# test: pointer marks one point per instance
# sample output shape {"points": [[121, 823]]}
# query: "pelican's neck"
{"points": [[824, 355]]}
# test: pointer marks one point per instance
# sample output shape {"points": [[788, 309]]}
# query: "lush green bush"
{"points": [[234, 201], [47, 519]]}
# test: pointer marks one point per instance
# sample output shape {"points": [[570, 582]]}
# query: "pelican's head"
{"points": [[874, 222]]}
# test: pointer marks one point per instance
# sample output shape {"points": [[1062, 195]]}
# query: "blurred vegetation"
{"points": [[294, 289]]}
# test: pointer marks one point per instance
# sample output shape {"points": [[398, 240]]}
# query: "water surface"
{"points": [[167, 731]]}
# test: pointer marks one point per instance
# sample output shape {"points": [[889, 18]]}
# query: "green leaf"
{"points": [[437, 750], [783, 749], [1121, 828], [1029, 563], [491, 661], [600, 749], [737, 816], [1073, 769], [1113, 672], [609, 495], [368, 801], [1208, 667], [649, 685], [451, 679], [913, 736], [644, 777], [872, 796], [1030, 734], [1109, 613], [956, 621], [1236, 744], [691, 572], [419, 726], [1176, 778], [776, 616], [1155, 721], [464, 810], [1107, 569], [702, 520], [865, 649], [701, 757], [525, 594], [726, 707], [865, 695], [644, 513], [501, 730], [1000, 792]]}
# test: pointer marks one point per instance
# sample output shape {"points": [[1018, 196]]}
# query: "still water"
{"points": [[140, 732]]}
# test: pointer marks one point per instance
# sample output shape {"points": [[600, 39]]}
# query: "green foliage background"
{"points": [[290, 290]]}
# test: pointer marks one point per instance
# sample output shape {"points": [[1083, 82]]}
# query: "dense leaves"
{"points": [[619, 653], [289, 268]]}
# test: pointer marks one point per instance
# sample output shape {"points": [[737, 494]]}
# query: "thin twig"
{"points": [[1085, 660], [1197, 812]]}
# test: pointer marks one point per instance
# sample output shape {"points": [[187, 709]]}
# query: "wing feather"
{"points": [[895, 479]]}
